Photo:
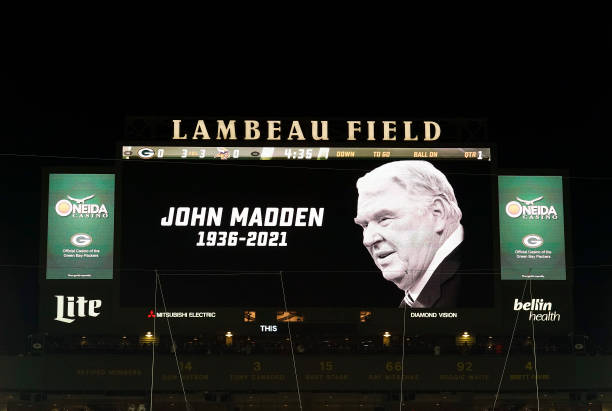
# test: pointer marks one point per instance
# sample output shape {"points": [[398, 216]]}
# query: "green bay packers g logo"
{"points": [[80, 240], [532, 241], [146, 152]]}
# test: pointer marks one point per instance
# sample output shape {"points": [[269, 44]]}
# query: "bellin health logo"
{"points": [[78, 208], [529, 210], [537, 304]]}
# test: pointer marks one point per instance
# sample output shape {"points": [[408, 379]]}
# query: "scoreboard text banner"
{"points": [[81, 214], [532, 241]]}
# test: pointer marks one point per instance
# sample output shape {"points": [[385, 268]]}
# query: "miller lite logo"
{"points": [[69, 308]]}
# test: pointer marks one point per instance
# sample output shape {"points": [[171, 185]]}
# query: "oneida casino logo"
{"points": [[529, 210], [79, 209]]}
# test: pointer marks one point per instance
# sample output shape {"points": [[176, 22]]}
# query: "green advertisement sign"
{"points": [[531, 232], [81, 216]]}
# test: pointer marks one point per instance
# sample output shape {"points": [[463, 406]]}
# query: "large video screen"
{"points": [[365, 227]]}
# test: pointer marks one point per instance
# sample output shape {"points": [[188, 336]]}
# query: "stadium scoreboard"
{"points": [[302, 153], [238, 242]]}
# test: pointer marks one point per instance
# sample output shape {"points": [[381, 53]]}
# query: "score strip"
{"points": [[307, 153]]}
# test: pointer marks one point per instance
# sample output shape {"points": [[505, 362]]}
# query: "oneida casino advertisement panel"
{"points": [[537, 281]]}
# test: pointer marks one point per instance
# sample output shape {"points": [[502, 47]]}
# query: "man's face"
{"points": [[399, 230]]}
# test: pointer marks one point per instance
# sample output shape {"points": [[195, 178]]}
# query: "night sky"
{"points": [[546, 96]]}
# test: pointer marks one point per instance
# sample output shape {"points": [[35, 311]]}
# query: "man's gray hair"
{"points": [[419, 178]]}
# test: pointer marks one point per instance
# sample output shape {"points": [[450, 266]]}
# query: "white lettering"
{"points": [[59, 314], [93, 306], [182, 216], [286, 217], [300, 217], [65, 308], [214, 216], [316, 217], [271, 216], [423, 315], [195, 216], [256, 218], [81, 306], [239, 217]]}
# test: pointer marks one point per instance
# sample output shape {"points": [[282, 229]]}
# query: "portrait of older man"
{"points": [[412, 229]]}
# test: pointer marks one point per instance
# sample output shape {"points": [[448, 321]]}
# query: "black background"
{"points": [[322, 266], [542, 83]]}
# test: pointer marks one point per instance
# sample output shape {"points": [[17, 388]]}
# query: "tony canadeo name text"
{"points": [[294, 130]]}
